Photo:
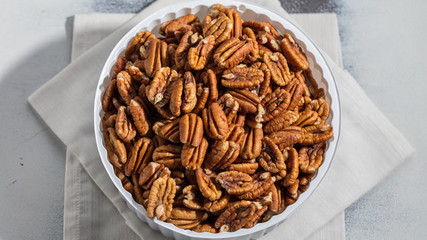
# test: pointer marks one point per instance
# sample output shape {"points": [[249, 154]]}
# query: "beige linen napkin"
{"points": [[370, 147], [81, 191]]}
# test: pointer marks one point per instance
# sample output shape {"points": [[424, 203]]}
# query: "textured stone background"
{"points": [[383, 48]]}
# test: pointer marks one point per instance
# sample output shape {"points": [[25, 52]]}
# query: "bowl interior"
{"points": [[248, 11]]}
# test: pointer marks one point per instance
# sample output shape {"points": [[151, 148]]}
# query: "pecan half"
{"points": [[140, 156], [261, 26], [181, 53], [230, 107], [193, 157], [169, 130], [124, 128], [183, 96], [235, 183], [198, 56], [310, 159], [249, 167], [236, 20], [286, 137], [215, 121], [256, 217], [278, 67], [161, 198], [192, 197], [139, 116], [220, 28], [187, 218], [267, 39], [242, 77], [262, 182], [136, 73], [223, 154], [292, 162], [231, 52], [218, 205], [235, 216], [208, 78], [108, 95], [281, 121], [272, 159], [141, 39], [254, 54], [124, 86], [263, 88], [157, 92], [248, 101], [126, 183], [157, 56], [293, 53], [252, 145], [209, 189], [114, 157], [321, 107], [168, 28], [168, 155], [296, 90], [119, 66], [306, 118], [207, 227], [191, 129], [316, 134], [277, 199], [150, 173]]}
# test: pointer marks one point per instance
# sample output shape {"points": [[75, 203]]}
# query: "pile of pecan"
{"points": [[216, 125]]}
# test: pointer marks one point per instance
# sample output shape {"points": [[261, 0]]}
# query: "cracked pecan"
{"points": [[231, 52], [235, 216], [168, 155], [183, 96], [207, 184], [278, 67], [242, 77], [168, 28], [235, 183], [156, 56], [186, 218], [140, 155], [215, 121], [256, 217], [191, 129], [159, 91], [136, 73], [168, 130], [254, 53], [316, 134], [223, 154], [293, 53], [220, 28], [286, 137], [198, 56], [182, 51], [236, 134], [193, 157], [124, 128], [124, 86], [161, 198]]}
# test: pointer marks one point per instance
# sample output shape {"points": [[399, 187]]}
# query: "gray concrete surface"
{"points": [[383, 48]]}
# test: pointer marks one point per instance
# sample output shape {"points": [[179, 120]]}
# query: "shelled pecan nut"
{"points": [[242, 77], [124, 127], [207, 227], [267, 39], [310, 159], [198, 56], [215, 121], [183, 96], [192, 197], [168, 155], [150, 173], [209, 189], [262, 182], [296, 90], [157, 92], [292, 162], [140, 155], [286, 137], [169, 130], [235, 216], [168, 28], [272, 159], [278, 67], [281, 121], [139, 116], [293, 53], [156, 56], [217, 205], [235, 183], [186, 218], [191, 129], [124, 86], [254, 54], [141, 39], [118, 145], [223, 154], [220, 28], [161, 198], [108, 95], [252, 145], [230, 106], [261, 26], [136, 73], [248, 101], [275, 103], [231, 52], [316, 134], [193, 157]]}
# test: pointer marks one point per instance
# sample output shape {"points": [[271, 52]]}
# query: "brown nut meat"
{"points": [[168, 130], [235, 183], [278, 67], [261, 26], [168, 28], [286, 137], [242, 77], [108, 95], [254, 54], [248, 101], [193, 157], [220, 28], [168, 155], [292, 162], [136, 73], [218, 205], [281, 121], [249, 167], [119, 66], [277, 199], [321, 107], [124, 128], [186, 218], [316, 134], [256, 217], [263, 88], [209, 189], [310, 159], [157, 92], [267, 39], [124, 86], [191, 129], [150, 173], [236, 134], [307, 118], [223, 154], [161, 198], [114, 157], [296, 90], [183, 96], [181, 53], [272, 159], [231, 52], [192, 197], [215, 122], [230, 106], [157, 56], [139, 116], [235, 216], [275, 103], [207, 227], [140, 155], [293, 53], [126, 183], [262, 182], [208, 78], [141, 39], [236, 20], [198, 56]]}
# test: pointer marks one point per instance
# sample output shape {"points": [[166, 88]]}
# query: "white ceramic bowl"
{"points": [[248, 11]]}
